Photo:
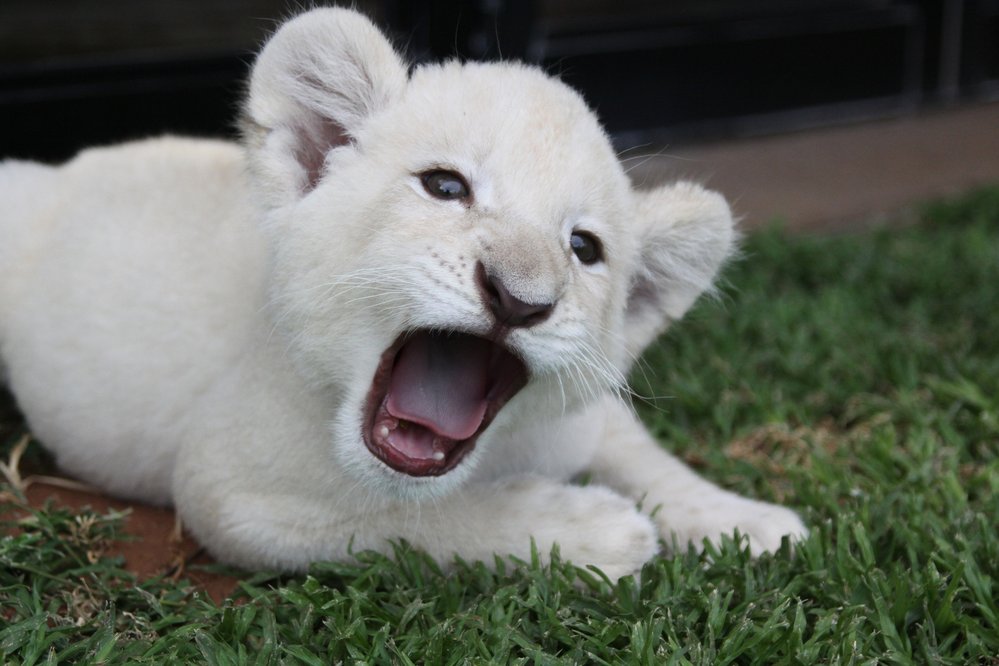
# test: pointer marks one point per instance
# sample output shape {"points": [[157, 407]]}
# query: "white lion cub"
{"points": [[402, 309]]}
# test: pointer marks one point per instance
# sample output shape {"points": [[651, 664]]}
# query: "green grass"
{"points": [[855, 378]]}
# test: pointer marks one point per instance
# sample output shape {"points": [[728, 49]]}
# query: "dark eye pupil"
{"points": [[586, 248], [445, 185]]}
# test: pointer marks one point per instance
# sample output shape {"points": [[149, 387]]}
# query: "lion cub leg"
{"points": [[683, 504], [591, 525]]}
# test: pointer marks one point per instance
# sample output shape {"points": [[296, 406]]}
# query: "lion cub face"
{"points": [[456, 249]]}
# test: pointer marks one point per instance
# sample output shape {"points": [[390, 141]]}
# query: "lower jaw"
{"points": [[375, 413], [419, 467]]}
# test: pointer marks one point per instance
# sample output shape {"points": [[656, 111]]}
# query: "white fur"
{"points": [[198, 323]]}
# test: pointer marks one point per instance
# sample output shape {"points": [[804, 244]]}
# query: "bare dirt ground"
{"points": [[827, 180], [152, 547], [841, 178]]}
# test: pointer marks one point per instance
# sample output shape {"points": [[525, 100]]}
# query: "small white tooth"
{"points": [[438, 456], [383, 431]]}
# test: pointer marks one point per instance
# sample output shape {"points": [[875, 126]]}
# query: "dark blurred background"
{"points": [[80, 72]]}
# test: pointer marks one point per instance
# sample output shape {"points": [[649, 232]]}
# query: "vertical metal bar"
{"points": [[949, 73]]}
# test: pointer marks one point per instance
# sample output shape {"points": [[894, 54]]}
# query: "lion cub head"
{"points": [[456, 249]]}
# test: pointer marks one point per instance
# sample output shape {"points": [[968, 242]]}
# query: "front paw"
{"points": [[591, 525], [762, 524]]}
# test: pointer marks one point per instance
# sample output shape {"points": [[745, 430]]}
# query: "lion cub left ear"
{"points": [[316, 82], [686, 234]]}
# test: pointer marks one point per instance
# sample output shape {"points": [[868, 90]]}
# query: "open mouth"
{"points": [[433, 394]]}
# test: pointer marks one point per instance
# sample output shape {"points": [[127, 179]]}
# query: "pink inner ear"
{"points": [[314, 142]]}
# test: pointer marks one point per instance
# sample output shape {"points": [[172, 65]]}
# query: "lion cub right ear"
{"points": [[314, 84], [686, 234]]}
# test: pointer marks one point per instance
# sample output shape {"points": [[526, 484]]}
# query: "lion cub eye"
{"points": [[586, 247], [445, 185]]}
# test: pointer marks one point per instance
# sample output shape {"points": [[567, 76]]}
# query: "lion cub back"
{"points": [[118, 269]]}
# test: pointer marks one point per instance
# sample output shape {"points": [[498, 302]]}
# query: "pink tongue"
{"points": [[440, 382]]}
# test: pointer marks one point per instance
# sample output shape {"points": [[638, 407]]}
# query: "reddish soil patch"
{"points": [[152, 549]]}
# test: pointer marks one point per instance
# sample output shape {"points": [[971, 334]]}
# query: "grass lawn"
{"points": [[854, 377]]}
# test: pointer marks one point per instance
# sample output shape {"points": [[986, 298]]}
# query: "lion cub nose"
{"points": [[507, 308]]}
